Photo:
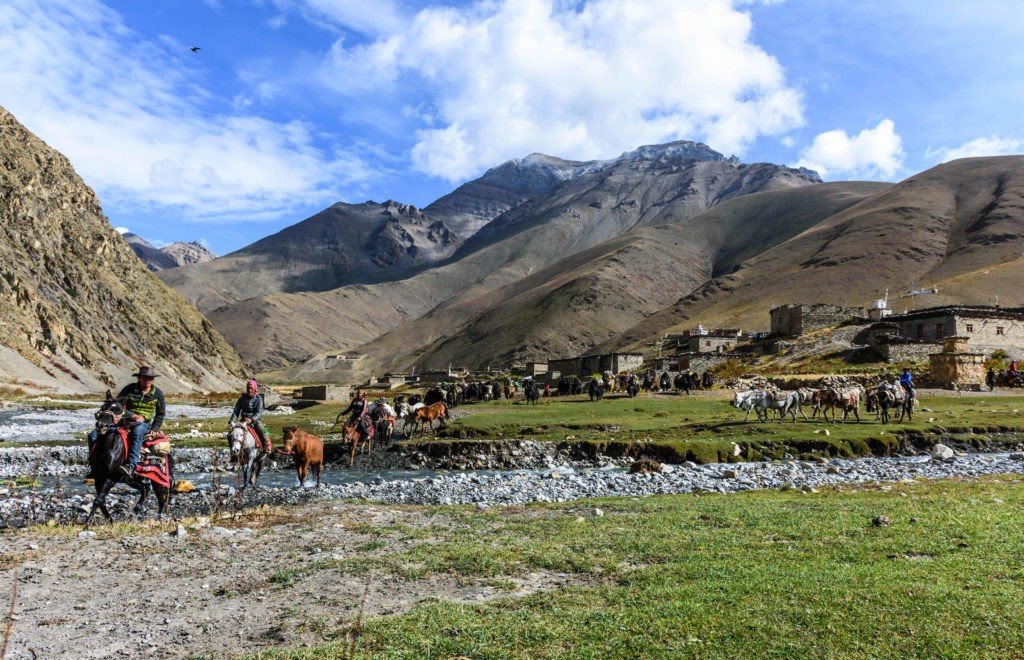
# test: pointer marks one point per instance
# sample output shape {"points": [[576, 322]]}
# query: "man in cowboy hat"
{"points": [[144, 412]]}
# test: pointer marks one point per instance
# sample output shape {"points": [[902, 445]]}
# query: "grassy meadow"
{"points": [[759, 574], [704, 427]]}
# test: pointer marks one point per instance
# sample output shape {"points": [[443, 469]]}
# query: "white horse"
{"points": [[747, 401], [407, 414], [247, 450], [785, 403]]}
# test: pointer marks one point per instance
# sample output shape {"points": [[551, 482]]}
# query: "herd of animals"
{"points": [[416, 413]]}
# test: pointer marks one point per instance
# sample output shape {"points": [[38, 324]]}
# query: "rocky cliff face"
{"points": [[78, 310], [172, 256]]}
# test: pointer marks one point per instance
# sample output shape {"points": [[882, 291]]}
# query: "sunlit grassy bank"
{"points": [[764, 574]]}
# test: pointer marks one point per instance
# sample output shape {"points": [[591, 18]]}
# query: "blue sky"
{"points": [[292, 105]]}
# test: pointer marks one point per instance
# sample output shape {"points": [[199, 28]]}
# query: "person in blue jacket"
{"points": [[907, 381]]}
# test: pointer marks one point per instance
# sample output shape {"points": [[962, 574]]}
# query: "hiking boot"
{"points": [[126, 470]]}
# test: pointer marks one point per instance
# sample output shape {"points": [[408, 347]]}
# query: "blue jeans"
{"points": [[136, 435]]}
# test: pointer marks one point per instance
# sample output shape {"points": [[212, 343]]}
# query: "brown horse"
{"points": [[308, 451], [428, 414], [350, 433]]}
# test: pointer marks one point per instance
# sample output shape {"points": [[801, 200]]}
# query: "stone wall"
{"points": [[906, 352], [701, 362]]}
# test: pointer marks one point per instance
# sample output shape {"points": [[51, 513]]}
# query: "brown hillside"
{"points": [[651, 186], [958, 226], [78, 309], [583, 300]]}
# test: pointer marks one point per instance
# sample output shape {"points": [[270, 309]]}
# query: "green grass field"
{"points": [[760, 574], [704, 428]]}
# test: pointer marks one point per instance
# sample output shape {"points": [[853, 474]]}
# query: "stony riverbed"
{"points": [[562, 484]]}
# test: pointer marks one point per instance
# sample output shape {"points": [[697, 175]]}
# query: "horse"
{"points": [[246, 448], [351, 434], [847, 400], [810, 396], [428, 414], [785, 403], [108, 454], [308, 451], [595, 390], [882, 399], [747, 401], [531, 392], [383, 417]]}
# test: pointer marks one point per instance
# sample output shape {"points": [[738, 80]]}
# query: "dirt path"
{"points": [[273, 579]]}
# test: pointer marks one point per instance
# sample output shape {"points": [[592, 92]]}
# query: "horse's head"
{"points": [[109, 414], [236, 436], [290, 436]]}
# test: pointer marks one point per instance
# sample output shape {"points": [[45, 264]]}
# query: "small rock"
{"points": [[595, 512], [689, 464], [730, 474], [554, 475], [881, 521], [180, 532], [941, 452], [645, 466], [87, 535], [481, 505], [832, 470]]}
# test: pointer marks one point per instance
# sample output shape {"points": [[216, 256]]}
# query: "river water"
{"points": [[41, 424]]}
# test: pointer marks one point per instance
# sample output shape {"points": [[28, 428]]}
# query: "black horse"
{"points": [[531, 391], [107, 457]]}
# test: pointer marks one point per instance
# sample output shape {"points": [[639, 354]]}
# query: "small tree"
{"points": [[999, 360]]}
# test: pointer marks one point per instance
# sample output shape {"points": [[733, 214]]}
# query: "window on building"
{"points": [[999, 329], [969, 327], [707, 343], [938, 331], [920, 330]]}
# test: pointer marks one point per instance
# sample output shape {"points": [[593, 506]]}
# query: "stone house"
{"points": [[987, 328], [587, 365], [795, 320]]}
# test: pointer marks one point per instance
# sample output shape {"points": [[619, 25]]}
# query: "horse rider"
{"points": [[249, 408], [359, 411], [144, 413], [907, 382]]}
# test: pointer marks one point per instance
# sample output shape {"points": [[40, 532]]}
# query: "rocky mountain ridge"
{"points": [[78, 310], [172, 256], [593, 203]]}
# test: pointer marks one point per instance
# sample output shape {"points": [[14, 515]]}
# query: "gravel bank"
{"points": [[516, 488]]}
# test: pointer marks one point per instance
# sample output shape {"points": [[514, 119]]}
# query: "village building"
{"points": [[325, 393], [587, 365], [795, 320], [988, 328]]}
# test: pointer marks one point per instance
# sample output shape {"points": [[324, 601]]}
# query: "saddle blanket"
{"points": [[156, 469]]}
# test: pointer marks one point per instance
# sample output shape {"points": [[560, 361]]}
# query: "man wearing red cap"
{"points": [[249, 407]]}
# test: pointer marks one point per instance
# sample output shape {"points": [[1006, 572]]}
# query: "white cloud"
{"points": [[365, 16], [591, 79], [983, 146], [129, 116], [873, 153], [122, 230]]}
